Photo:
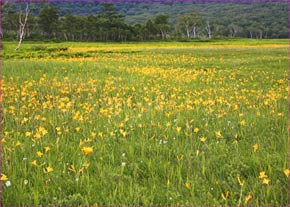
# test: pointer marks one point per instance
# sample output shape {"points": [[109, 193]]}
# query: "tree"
{"points": [[48, 20], [22, 24], [190, 23], [9, 21], [150, 29], [208, 29], [161, 22]]}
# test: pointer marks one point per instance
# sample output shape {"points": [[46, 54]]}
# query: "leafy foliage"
{"points": [[132, 21]]}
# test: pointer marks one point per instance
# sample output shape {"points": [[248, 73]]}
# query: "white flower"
{"points": [[123, 164], [123, 155], [25, 182], [8, 183]]}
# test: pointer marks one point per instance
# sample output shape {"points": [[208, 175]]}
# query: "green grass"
{"points": [[145, 102]]}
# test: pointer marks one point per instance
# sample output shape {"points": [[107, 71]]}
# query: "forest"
{"points": [[155, 21]]}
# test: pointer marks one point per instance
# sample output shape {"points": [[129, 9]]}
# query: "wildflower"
{"points": [[240, 182], [101, 135], [196, 130], [42, 130], [123, 132], [287, 172], [72, 168], [226, 196], [178, 129], [266, 181], [8, 183], [218, 134], [123, 164], [87, 150], [243, 123], [86, 165], [46, 149], [3, 177], [203, 139], [39, 154], [187, 185], [78, 129], [37, 136], [27, 134], [48, 169], [25, 182], [255, 147], [34, 163], [248, 198], [18, 144], [263, 175]]}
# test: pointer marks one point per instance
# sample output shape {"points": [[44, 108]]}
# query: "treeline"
{"points": [[109, 25]]}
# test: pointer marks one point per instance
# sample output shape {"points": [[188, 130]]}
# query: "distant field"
{"points": [[193, 123]]}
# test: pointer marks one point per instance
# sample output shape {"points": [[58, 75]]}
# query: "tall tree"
{"points": [[48, 20], [161, 22], [22, 24], [190, 23]]}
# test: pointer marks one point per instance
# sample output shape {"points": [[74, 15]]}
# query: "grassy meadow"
{"points": [[171, 124]]}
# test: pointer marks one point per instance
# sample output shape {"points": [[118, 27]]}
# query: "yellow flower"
{"points": [[87, 150], [48, 169], [39, 154], [46, 149], [263, 175], [287, 172], [196, 130], [18, 144], [280, 114], [248, 198], [243, 123], [123, 132], [27, 134], [240, 182], [266, 181], [225, 197], [218, 134], [101, 135], [37, 136], [34, 163], [42, 130], [255, 147], [178, 129], [72, 168], [81, 142], [203, 139], [187, 185], [78, 129], [86, 165], [4, 177]]}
